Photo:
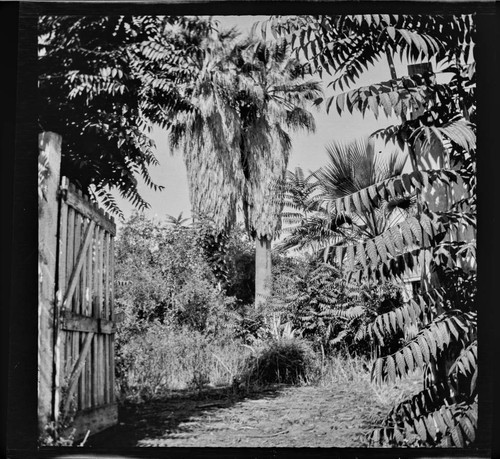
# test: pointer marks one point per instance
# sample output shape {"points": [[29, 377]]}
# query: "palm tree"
{"points": [[351, 167], [234, 138], [272, 97], [354, 166]]}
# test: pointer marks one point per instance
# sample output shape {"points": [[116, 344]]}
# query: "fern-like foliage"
{"points": [[448, 329], [450, 425], [416, 312], [392, 188], [437, 330]]}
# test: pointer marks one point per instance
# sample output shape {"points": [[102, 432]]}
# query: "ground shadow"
{"points": [[161, 417]]}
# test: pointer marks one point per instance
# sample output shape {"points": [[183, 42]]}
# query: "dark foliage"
{"points": [[95, 91], [284, 361]]}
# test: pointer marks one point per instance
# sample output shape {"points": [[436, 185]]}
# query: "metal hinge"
{"points": [[62, 192]]}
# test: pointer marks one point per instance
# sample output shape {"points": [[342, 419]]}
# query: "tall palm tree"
{"points": [[245, 97], [272, 101]]}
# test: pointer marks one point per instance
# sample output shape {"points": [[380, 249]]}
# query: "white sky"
{"points": [[308, 150]]}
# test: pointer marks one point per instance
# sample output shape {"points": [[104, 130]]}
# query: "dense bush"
{"points": [[164, 276], [240, 264], [280, 361], [164, 358], [182, 329], [328, 310], [165, 283]]}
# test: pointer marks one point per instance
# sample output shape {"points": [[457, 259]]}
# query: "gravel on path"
{"points": [[282, 416]]}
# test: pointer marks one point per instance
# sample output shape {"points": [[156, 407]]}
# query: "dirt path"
{"points": [[278, 417]]}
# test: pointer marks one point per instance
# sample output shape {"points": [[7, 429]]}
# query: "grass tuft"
{"points": [[282, 361]]}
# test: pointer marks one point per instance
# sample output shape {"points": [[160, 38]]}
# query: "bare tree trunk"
{"points": [[262, 271]]}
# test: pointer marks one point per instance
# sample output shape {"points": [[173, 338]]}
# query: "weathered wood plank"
{"points": [[77, 371], [79, 293], [106, 316], [105, 275], [79, 322], [61, 286], [112, 366], [79, 336], [100, 356], [79, 305], [112, 316], [78, 266], [84, 207], [106, 369], [95, 355], [49, 146], [93, 381], [95, 420], [88, 311], [70, 260], [112, 275], [82, 323], [81, 310]]}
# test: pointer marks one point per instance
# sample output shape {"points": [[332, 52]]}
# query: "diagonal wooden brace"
{"points": [[76, 271], [73, 380]]}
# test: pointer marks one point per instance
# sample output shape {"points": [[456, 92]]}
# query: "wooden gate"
{"points": [[84, 342]]}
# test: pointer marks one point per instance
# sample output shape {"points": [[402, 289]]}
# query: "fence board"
{"points": [[75, 273], [61, 283], [75, 375], [97, 315], [112, 317], [79, 336], [75, 304], [84, 207], [72, 240], [85, 321], [73, 322], [95, 419], [106, 316], [49, 149]]}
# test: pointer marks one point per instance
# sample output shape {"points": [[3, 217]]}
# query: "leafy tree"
{"points": [[164, 277], [245, 94], [95, 91], [444, 345], [326, 309]]}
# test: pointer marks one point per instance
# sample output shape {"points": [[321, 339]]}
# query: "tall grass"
{"points": [[165, 358], [338, 369], [355, 370]]}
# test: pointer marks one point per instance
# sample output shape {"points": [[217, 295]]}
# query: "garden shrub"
{"points": [[282, 361], [164, 276], [249, 324], [164, 358], [240, 264], [328, 310], [181, 327]]}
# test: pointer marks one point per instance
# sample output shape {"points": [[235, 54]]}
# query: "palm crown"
{"points": [[351, 167]]}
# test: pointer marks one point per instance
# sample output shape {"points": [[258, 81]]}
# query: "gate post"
{"points": [[49, 164]]}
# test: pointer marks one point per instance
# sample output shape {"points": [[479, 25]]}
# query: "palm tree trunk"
{"points": [[262, 271]]}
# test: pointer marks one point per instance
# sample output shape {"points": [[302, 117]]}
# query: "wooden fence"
{"points": [[82, 377]]}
